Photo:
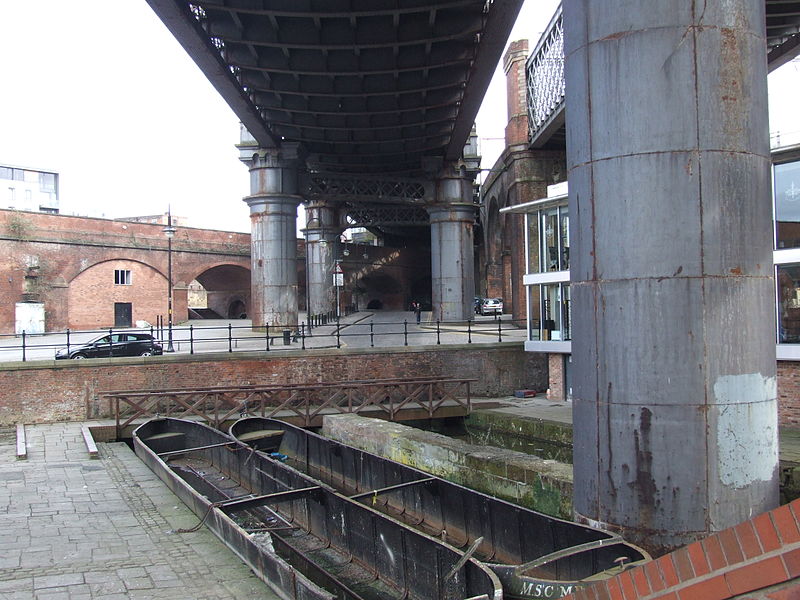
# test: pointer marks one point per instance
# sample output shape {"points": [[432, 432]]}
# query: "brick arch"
{"points": [[227, 287], [495, 242], [92, 293]]}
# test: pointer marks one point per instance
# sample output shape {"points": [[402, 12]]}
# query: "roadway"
{"points": [[358, 330]]}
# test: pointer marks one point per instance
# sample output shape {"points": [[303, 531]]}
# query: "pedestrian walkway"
{"points": [[73, 528]]}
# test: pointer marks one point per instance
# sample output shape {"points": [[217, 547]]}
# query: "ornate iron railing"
{"points": [[363, 187], [544, 73]]}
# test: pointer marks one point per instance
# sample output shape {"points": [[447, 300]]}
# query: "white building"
{"points": [[22, 188]]}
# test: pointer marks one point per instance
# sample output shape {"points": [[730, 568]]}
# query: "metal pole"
{"points": [[170, 231]]}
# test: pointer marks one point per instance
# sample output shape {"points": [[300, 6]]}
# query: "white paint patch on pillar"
{"points": [[747, 434]]}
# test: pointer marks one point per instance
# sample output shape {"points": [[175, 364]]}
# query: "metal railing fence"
{"points": [[329, 332]]}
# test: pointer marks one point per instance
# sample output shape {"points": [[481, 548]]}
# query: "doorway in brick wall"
{"points": [[123, 314]]}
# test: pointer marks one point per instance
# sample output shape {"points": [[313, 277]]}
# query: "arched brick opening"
{"points": [[227, 290]]}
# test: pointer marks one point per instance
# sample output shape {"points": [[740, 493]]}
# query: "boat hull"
{"points": [[322, 537], [533, 554]]}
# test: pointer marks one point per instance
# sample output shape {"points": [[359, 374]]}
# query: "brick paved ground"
{"points": [[72, 528]]}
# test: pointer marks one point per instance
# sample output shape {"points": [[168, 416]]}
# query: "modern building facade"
{"points": [[24, 188]]}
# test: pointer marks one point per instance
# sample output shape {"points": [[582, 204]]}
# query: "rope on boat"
{"points": [[197, 527]]}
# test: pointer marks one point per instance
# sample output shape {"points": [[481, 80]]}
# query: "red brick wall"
{"points": [[789, 393], [49, 391], [516, 89], [67, 251], [556, 389], [759, 558]]}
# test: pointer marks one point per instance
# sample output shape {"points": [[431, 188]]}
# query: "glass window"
{"points": [[532, 224], [19, 174], [787, 205], [6, 173], [122, 277], [566, 309], [788, 281], [550, 239], [564, 237], [534, 327], [556, 312], [47, 182]]}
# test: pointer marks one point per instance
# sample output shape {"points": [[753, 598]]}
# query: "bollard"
{"points": [[287, 337]]}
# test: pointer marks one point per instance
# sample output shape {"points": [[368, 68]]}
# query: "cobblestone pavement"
{"points": [[73, 528]]}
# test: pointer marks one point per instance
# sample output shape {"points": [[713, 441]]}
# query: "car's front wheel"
{"points": [[146, 353], [79, 356]]}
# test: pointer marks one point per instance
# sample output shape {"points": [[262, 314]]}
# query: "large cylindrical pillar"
{"points": [[273, 214], [674, 382], [322, 239], [452, 220]]}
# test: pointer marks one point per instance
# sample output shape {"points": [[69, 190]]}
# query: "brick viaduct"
{"points": [[68, 264]]}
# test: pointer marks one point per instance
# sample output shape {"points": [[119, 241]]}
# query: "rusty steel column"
{"points": [[273, 214], [452, 219], [674, 383], [322, 240]]}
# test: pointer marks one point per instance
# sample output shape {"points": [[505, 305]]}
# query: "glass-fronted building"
{"points": [[547, 265], [23, 188]]}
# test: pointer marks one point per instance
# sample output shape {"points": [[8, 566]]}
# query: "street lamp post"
{"points": [[169, 231]]}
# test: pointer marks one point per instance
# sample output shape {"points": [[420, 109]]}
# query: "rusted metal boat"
{"points": [[299, 535], [533, 554]]}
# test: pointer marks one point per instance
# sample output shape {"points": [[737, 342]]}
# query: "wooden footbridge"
{"points": [[300, 404]]}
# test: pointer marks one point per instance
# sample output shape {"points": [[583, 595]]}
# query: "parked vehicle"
{"points": [[116, 344], [492, 306], [477, 304]]}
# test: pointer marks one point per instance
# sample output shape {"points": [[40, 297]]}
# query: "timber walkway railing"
{"points": [[304, 404]]}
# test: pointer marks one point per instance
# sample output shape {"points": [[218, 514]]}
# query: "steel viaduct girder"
{"points": [[366, 87]]}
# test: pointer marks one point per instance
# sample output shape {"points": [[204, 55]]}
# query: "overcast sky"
{"points": [[101, 92]]}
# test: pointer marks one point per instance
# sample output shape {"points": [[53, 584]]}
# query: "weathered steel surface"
{"points": [[674, 388], [322, 236], [510, 535], [452, 266], [273, 205], [341, 545]]}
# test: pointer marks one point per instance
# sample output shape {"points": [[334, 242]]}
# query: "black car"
{"points": [[116, 344]]}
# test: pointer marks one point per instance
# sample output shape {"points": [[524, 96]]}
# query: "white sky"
{"points": [[101, 92]]}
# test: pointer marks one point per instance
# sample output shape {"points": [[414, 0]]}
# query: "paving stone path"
{"points": [[72, 528]]}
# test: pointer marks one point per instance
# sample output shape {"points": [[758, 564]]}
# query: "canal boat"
{"points": [[533, 554], [300, 536]]}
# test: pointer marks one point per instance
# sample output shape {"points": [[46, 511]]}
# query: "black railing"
{"points": [[327, 333]]}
